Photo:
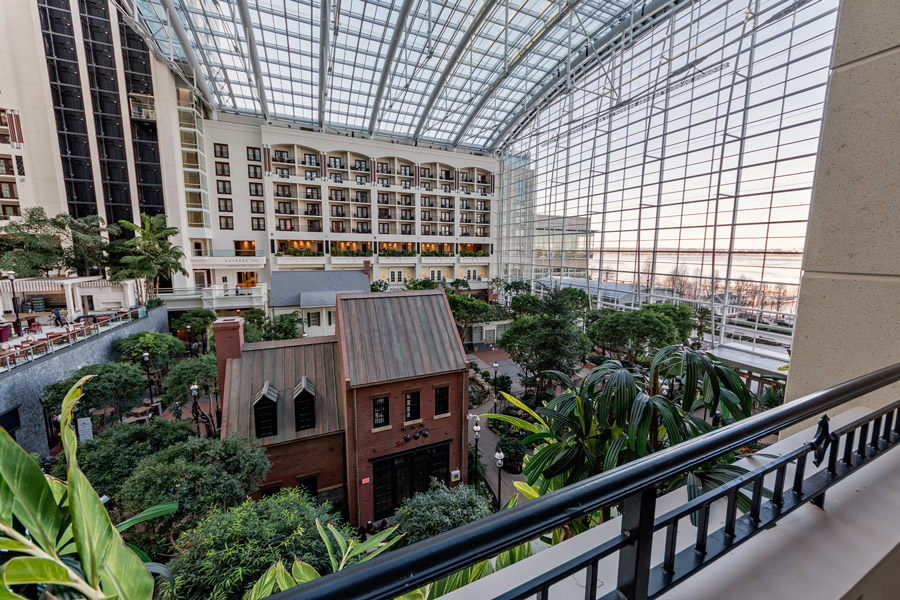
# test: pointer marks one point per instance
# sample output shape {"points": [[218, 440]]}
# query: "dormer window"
{"points": [[265, 411], [305, 404]]}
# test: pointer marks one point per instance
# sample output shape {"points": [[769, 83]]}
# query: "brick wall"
{"points": [[321, 457], [384, 441], [229, 334]]}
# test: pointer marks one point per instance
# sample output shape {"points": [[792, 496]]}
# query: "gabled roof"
{"points": [[275, 369], [398, 335], [310, 289]]}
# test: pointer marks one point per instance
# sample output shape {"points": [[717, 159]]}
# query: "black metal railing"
{"points": [[634, 487]]}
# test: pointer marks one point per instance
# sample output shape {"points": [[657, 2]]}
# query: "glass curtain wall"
{"points": [[681, 168]]}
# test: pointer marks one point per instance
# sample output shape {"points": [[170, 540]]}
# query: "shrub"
{"points": [[503, 383], [112, 456], [228, 550], [596, 359], [200, 474], [162, 348], [438, 510], [514, 453]]}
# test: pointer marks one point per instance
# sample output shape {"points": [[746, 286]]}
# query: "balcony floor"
{"points": [[849, 550]]}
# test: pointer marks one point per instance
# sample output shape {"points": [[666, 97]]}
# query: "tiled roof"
{"points": [[399, 335], [314, 288], [283, 365]]}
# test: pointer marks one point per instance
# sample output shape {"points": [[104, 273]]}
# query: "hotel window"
{"points": [[8, 190], [256, 189], [223, 169], [334, 162], [412, 406], [254, 171], [384, 228], [441, 400], [380, 412], [313, 319], [396, 276], [311, 175], [226, 223], [336, 177], [311, 160], [436, 275], [360, 165], [258, 223], [225, 205], [362, 179], [253, 154], [257, 206], [220, 150], [223, 187], [6, 166]]}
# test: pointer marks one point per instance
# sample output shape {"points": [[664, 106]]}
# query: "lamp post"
{"points": [[495, 365], [12, 281], [146, 356], [499, 456], [190, 342], [195, 411], [476, 429]]}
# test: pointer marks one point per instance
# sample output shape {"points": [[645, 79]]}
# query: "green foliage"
{"points": [[632, 334], [514, 452], [439, 509], [423, 284], [518, 287], [119, 383], [254, 316], [201, 370], [162, 347], [146, 256], [302, 252], [579, 301], [468, 312], [153, 303], [112, 456], [502, 383], [703, 318], [283, 327], [200, 321], [681, 315], [459, 284], [227, 550], [31, 247], [381, 285], [64, 539], [526, 304], [200, 474]]}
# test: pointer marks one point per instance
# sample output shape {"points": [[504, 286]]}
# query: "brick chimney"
{"points": [[229, 334], [367, 269]]}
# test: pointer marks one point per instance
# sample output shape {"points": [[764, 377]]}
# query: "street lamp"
{"points": [[499, 456], [12, 281], [190, 342], [495, 365], [146, 356], [195, 411], [476, 428]]}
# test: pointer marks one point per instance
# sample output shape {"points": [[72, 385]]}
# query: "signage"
{"points": [[85, 429], [365, 480]]}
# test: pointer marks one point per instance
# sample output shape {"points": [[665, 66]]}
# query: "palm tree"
{"points": [[148, 255], [616, 415]]}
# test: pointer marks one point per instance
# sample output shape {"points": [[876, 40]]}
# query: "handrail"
{"points": [[401, 571]]}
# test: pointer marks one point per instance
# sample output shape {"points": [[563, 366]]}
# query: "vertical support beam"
{"points": [[254, 57], [181, 34], [634, 559], [506, 38], [389, 58], [324, 51]]}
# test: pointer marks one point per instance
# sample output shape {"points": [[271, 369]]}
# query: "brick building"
{"points": [[364, 418]]}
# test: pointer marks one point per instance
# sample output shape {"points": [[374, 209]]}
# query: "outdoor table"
{"points": [[104, 412], [141, 410]]}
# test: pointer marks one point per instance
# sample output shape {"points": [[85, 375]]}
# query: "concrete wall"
{"points": [[847, 318], [22, 386]]}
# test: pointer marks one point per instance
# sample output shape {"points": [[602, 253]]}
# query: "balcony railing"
{"points": [[634, 487], [249, 252]]}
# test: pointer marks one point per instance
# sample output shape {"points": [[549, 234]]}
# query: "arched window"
{"points": [[304, 405], [265, 411]]}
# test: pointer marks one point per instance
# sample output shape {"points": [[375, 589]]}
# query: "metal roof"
{"points": [[281, 366], [309, 289], [397, 335], [446, 71]]}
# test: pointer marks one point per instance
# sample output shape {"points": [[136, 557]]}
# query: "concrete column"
{"points": [[848, 319]]}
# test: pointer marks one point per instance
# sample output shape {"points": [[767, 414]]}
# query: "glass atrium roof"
{"points": [[452, 72]]}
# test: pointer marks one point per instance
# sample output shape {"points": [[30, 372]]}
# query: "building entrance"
{"points": [[399, 476]]}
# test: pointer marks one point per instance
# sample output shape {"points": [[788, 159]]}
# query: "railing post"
{"points": [[634, 560]]}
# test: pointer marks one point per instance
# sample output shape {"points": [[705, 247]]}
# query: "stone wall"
{"points": [[21, 387]]}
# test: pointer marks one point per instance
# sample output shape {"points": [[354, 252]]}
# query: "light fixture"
{"points": [[146, 356]]}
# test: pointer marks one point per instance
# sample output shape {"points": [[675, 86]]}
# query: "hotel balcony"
{"points": [[817, 524], [229, 259]]}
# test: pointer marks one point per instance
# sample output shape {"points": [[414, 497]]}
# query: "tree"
{"points": [[201, 370], [468, 312], [32, 247], [681, 315], [119, 383], [147, 256], [579, 301], [423, 284], [631, 334], [439, 509], [514, 288], [381, 285], [200, 474], [163, 348], [459, 284], [282, 327], [199, 320], [526, 304], [229, 549], [497, 285], [84, 242], [110, 458]]}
